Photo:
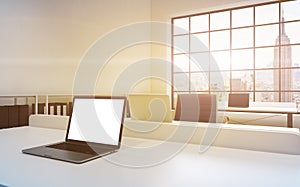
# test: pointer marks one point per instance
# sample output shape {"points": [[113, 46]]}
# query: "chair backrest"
{"points": [[150, 107], [196, 107], [238, 100]]}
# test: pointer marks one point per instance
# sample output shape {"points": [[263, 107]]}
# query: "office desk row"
{"points": [[273, 110], [142, 162]]}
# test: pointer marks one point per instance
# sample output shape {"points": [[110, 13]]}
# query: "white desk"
{"points": [[274, 110], [216, 167]]}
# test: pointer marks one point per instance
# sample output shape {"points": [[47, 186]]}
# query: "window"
{"points": [[253, 49]]}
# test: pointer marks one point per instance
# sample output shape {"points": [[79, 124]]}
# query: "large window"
{"points": [[253, 49]]}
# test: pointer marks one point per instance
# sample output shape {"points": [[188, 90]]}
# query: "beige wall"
{"points": [[163, 10], [42, 42]]}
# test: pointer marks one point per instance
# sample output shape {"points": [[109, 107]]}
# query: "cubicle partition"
{"points": [[16, 109]]}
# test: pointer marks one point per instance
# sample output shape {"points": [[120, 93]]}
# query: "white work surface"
{"points": [[215, 167], [275, 110]]}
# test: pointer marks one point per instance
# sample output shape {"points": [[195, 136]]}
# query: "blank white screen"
{"points": [[96, 120]]}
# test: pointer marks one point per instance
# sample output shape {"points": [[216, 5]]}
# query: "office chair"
{"points": [[196, 107]]}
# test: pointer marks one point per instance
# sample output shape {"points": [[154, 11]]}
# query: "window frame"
{"points": [[254, 47]]}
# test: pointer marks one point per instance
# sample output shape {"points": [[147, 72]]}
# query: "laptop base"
{"points": [[63, 155]]}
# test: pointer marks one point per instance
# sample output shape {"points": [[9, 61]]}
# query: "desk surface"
{"points": [[274, 110], [279, 110], [187, 167]]}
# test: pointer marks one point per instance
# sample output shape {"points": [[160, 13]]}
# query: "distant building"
{"points": [[283, 59]]}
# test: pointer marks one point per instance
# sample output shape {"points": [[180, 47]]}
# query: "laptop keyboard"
{"points": [[73, 147]]}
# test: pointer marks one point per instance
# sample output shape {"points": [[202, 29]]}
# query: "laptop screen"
{"points": [[96, 120]]}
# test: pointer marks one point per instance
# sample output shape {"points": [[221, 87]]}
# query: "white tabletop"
{"points": [[274, 110], [136, 167], [280, 110]]}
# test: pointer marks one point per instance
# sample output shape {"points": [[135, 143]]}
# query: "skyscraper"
{"points": [[283, 59]]}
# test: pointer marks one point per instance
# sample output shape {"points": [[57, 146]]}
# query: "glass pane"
{"points": [[292, 31], [181, 63], [242, 17], [181, 26], [266, 80], [286, 60], [266, 97], [221, 98], [181, 82], [200, 62], [199, 23], [199, 42], [220, 61], [242, 59], [267, 14], [296, 95], [251, 99], [286, 79], [181, 44], [285, 96], [242, 80], [265, 57], [226, 78], [295, 50], [220, 20], [296, 79], [199, 81], [267, 35], [220, 40], [291, 10], [242, 38], [219, 81]]}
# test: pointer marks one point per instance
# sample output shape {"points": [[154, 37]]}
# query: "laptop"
{"points": [[238, 100], [94, 130]]}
